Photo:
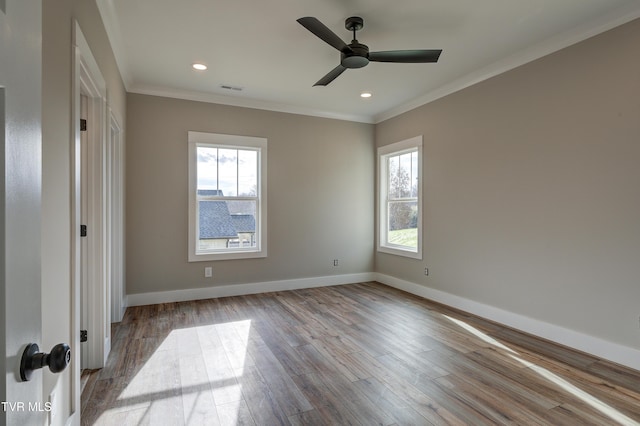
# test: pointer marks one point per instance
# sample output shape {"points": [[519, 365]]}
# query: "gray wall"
{"points": [[320, 194], [57, 21], [532, 189]]}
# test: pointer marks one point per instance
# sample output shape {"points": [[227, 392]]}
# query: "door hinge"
{"points": [[83, 230], [83, 336], [83, 125]]}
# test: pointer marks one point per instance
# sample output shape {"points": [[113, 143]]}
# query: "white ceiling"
{"points": [[259, 46]]}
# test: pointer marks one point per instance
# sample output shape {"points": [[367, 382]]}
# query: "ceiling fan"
{"points": [[357, 55]]}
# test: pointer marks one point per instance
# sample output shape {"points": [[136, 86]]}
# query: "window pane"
{"points": [[207, 168], [400, 204], [403, 223], [247, 173], [228, 171], [228, 213], [393, 167], [404, 175], [414, 174], [227, 224], [400, 176]]}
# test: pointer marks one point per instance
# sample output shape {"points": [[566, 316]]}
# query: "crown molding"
{"points": [[551, 45], [575, 35], [247, 103]]}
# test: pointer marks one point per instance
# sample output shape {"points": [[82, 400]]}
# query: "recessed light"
{"points": [[199, 67], [365, 95]]}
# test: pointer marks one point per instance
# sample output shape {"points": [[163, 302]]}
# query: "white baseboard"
{"points": [[598, 347], [243, 289]]}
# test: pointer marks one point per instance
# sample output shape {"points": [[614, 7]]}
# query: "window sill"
{"points": [[227, 256], [400, 252]]}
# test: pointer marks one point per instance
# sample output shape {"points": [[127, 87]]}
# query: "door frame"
{"points": [[115, 167], [88, 81]]}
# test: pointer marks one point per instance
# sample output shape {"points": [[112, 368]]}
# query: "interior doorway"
{"points": [[92, 269], [95, 272]]}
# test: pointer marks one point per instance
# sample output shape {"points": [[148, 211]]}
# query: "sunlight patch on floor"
{"points": [[584, 396], [190, 373], [548, 375], [479, 334]]}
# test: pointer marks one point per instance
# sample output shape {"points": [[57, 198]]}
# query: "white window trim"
{"points": [[196, 138], [383, 153]]}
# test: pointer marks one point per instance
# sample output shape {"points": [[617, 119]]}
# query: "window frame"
{"points": [[197, 139], [384, 153]]}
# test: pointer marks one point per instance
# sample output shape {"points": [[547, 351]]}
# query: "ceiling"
{"points": [[258, 46]]}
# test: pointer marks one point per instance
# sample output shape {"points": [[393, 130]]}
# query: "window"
{"points": [[227, 196], [400, 198]]}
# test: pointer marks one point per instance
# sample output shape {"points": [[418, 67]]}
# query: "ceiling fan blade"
{"points": [[332, 75], [324, 33], [406, 56]]}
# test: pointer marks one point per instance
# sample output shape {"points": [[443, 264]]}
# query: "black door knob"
{"points": [[33, 359]]}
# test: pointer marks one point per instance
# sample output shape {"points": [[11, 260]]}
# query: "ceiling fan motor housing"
{"points": [[356, 57]]}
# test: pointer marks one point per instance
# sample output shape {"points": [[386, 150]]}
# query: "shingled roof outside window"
{"points": [[215, 221]]}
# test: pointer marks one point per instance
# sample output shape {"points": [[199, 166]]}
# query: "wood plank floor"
{"points": [[360, 354]]}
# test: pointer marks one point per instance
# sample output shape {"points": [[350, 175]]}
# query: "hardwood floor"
{"points": [[361, 354]]}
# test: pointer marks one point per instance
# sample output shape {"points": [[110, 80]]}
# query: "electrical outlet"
{"points": [[335, 262], [208, 272], [426, 271]]}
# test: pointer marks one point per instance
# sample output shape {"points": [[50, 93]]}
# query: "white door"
{"points": [[20, 189]]}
